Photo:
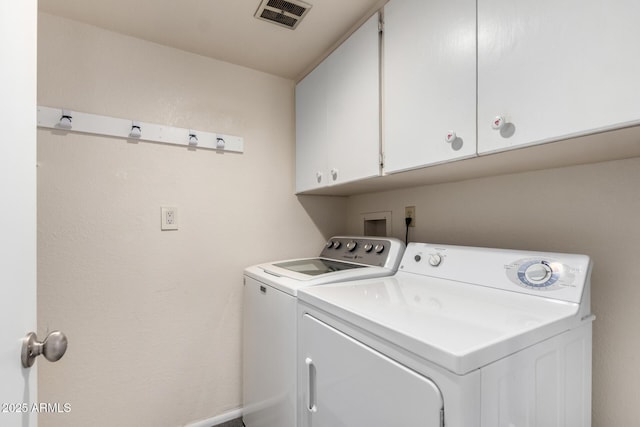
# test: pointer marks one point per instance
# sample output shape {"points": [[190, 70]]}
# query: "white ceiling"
{"points": [[225, 29]]}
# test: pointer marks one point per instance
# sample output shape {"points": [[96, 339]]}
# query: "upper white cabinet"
{"points": [[338, 114], [468, 78], [429, 82], [311, 130], [550, 69]]}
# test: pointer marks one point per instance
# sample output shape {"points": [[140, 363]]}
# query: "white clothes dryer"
{"points": [[270, 321], [459, 336]]}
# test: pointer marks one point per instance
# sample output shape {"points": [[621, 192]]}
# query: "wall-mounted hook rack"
{"points": [[140, 131]]}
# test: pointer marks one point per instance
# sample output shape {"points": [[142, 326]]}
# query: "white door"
{"points": [[338, 114], [311, 130], [344, 383], [553, 69], [353, 106], [429, 82], [18, 29]]}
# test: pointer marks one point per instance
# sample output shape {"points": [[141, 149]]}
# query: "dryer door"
{"points": [[344, 383]]}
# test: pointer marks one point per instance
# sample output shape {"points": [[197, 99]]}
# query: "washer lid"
{"points": [[459, 326], [312, 267], [290, 281]]}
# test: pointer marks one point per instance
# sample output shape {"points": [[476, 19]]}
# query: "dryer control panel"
{"points": [[553, 275], [540, 273]]}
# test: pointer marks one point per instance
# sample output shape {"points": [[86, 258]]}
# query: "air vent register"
{"points": [[286, 13]]}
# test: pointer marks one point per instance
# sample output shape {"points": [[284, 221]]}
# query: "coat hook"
{"points": [[136, 130], [193, 138], [65, 119]]}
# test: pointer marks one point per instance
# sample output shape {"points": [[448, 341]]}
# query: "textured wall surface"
{"points": [[154, 317], [591, 209]]}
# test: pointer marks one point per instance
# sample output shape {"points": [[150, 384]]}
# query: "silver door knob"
{"points": [[53, 347]]}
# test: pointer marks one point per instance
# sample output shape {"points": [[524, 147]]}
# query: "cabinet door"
{"points": [[429, 82], [344, 383], [311, 130], [338, 114], [554, 69], [353, 106]]}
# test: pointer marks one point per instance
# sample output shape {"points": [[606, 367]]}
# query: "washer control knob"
{"points": [[435, 260], [329, 244], [538, 273], [351, 246], [379, 248], [336, 244], [417, 258], [368, 247]]}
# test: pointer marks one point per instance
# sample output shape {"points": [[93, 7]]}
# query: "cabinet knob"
{"points": [[319, 177], [450, 137], [498, 122], [334, 173]]}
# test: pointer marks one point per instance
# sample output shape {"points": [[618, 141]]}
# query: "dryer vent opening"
{"points": [[286, 13]]}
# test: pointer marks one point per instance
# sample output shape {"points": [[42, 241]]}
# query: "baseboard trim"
{"points": [[219, 419]]}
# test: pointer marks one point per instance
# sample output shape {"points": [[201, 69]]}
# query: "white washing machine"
{"points": [[458, 337], [270, 325]]}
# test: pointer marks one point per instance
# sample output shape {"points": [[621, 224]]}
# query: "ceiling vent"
{"points": [[286, 13]]}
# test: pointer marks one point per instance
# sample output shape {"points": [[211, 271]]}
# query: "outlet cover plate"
{"points": [[169, 218], [410, 212]]}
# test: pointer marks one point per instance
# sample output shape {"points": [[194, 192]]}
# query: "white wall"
{"points": [[154, 318], [592, 209]]}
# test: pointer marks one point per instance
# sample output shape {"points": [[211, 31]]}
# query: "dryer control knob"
{"points": [[379, 248], [538, 273], [368, 247], [351, 246], [435, 260], [329, 244], [336, 244]]}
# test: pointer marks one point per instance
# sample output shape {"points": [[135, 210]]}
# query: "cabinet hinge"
{"points": [[380, 26], [381, 160]]}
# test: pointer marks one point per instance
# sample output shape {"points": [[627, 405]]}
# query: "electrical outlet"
{"points": [[410, 212], [169, 218]]}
